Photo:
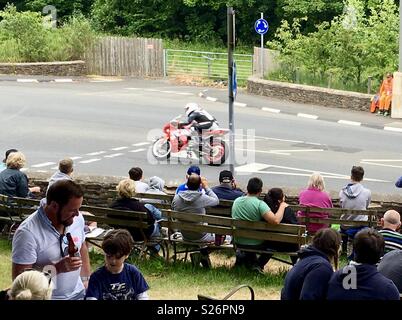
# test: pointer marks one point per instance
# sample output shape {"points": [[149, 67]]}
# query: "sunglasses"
{"points": [[63, 243]]}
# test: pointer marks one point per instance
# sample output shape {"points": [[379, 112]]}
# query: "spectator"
{"points": [[64, 173], [136, 174], [398, 183], [273, 199], [227, 190], [353, 196], [315, 196], [31, 285], [126, 190], [13, 182], [190, 171], [360, 280], [390, 266], [41, 242], [308, 279], [156, 186], [386, 95], [3, 164], [117, 280], [391, 223], [194, 201], [251, 208]]}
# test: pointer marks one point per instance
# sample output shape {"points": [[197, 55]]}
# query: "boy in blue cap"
{"points": [[190, 171]]}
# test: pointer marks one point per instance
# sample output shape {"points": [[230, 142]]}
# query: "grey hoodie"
{"points": [[194, 202], [58, 176], [156, 186], [355, 196]]}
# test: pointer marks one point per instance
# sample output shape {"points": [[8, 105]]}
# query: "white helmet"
{"points": [[190, 107]]}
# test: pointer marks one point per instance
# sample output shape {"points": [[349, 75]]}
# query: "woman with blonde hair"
{"points": [[315, 196], [13, 182], [31, 285]]}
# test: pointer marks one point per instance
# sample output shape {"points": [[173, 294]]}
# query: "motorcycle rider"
{"points": [[200, 120]]}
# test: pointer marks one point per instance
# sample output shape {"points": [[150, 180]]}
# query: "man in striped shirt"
{"points": [[391, 222]]}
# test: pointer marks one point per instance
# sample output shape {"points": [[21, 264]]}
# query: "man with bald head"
{"points": [[391, 223]]}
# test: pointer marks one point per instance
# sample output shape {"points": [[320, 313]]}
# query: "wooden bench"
{"points": [[259, 230]]}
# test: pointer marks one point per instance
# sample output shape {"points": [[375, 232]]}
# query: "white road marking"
{"points": [[75, 158], [24, 169], [351, 123], [271, 110], [137, 150], [184, 93], [119, 148], [152, 90], [211, 99], [63, 80], [95, 153], [383, 160], [54, 168], [284, 152], [90, 160], [393, 129], [308, 116], [45, 164], [239, 104], [380, 164], [140, 144], [133, 88], [27, 80], [41, 171], [258, 167], [114, 155]]}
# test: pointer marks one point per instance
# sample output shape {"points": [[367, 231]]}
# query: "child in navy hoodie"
{"points": [[308, 279], [360, 280]]}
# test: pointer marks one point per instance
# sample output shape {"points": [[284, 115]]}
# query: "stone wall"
{"points": [[309, 94], [63, 68]]}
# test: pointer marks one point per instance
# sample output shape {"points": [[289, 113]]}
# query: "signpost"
{"points": [[261, 26], [232, 85]]}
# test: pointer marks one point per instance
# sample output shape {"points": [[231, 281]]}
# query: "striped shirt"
{"points": [[393, 239]]}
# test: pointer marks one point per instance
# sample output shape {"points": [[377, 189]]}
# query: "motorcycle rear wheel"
{"points": [[217, 154]]}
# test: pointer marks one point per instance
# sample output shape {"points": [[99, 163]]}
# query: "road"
{"points": [[107, 127]]}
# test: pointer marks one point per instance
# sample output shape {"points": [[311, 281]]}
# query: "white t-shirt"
{"points": [[37, 242]]}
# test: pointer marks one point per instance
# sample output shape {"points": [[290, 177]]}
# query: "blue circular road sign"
{"points": [[261, 26]]}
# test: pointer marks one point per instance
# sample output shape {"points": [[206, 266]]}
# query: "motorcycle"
{"points": [[178, 140]]}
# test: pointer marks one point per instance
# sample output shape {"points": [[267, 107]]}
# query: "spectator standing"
{"points": [[315, 196], [364, 282], [386, 95], [117, 280], [308, 279], [41, 241]]}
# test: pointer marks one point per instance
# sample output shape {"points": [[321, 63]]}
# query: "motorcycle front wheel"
{"points": [[161, 149]]}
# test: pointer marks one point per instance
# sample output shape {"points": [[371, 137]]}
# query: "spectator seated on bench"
{"points": [[251, 208], [126, 201]]}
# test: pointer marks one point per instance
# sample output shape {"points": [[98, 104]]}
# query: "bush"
{"points": [[25, 38]]}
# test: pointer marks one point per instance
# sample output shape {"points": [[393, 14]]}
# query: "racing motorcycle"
{"points": [[180, 140]]}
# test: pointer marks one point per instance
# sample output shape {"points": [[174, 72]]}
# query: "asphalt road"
{"points": [[107, 128]]}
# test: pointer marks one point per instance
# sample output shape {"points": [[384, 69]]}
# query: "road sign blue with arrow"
{"points": [[261, 26]]}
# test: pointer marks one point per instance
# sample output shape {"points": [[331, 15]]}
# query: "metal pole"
{"points": [[230, 19], [262, 51]]}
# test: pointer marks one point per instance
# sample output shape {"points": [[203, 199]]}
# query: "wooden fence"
{"points": [[118, 56]]}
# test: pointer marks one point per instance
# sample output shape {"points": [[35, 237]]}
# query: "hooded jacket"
{"points": [[194, 202], [58, 176], [370, 284], [308, 279], [156, 186], [355, 196]]}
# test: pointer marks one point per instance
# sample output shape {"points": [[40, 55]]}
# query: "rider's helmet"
{"points": [[191, 107]]}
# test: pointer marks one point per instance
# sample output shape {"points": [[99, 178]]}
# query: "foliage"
{"points": [[25, 38], [356, 45]]}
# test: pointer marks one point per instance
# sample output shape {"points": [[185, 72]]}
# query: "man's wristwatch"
{"points": [[85, 278]]}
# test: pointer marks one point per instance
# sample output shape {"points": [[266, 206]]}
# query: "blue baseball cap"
{"points": [[194, 169]]}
